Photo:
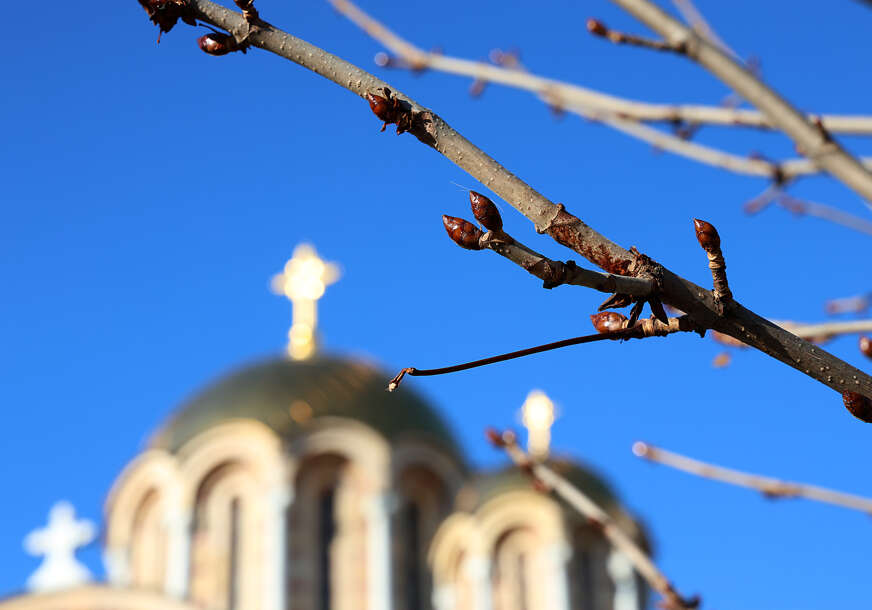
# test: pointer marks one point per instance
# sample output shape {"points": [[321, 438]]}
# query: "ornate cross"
{"points": [[57, 543], [303, 282]]}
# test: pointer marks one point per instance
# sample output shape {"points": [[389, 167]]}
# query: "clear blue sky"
{"points": [[149, 192]]}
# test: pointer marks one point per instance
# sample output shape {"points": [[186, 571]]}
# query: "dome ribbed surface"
{"points": [[291, 395]]}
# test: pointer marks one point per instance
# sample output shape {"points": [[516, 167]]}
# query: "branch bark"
{"points": [[579, 501], [771, 487], [814, 141], [595, 100], [553, 219]]}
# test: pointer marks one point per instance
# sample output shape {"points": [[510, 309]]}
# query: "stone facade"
{"points": [[339, 516]]}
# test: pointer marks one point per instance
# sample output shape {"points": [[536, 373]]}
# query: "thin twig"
{"points": [[555, 273], [855, 304], [598, 28], [694, 19], [641, 329], [802, 207], [812, 139], [582, 96], [770, 487], [585, 506]]}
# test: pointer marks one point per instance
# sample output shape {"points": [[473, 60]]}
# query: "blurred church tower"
{"points": [[299, 483]]}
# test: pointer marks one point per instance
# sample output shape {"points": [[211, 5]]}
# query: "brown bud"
{"points": [[465, 234], [217, 44], [380, 106], [859, 406], [495, 438], [707, 235], [608, 321], [485, 212], [509, 437], [866, 346], [597, 27]]}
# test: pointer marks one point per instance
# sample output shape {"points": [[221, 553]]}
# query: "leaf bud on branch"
{"points": [[608, 321], [485, 211], [708, 238], [218, 44], [866, 346], [859, 406], [463, 233]]}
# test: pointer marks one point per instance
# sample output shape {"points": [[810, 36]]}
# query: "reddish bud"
{"points": [[706, 235], [380, 106], [495, 438], [859, 406], [485, 212], [597, 27], [465, 234], [866, 346], [217, 44], [165, 13], [608, 321]]}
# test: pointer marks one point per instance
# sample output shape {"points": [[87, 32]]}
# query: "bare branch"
{"points": [[598, 28], [552, 218], [582, 503], [855, 304], [639, 330], [770, 487], [699, 24], [826, 330], [582, 96], [811, 139], [801, 207]]}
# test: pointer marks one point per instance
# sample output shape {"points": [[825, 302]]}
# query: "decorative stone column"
{"points": [[477, 568], [117, 564], [379, 551], [178, 524], [554, 560], [621, 571], [443, 597], [276, 542]]}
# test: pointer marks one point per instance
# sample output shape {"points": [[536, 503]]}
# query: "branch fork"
{"points": [[547, 480]]}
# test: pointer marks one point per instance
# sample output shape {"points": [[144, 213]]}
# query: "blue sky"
{"points": [[149, 193]]}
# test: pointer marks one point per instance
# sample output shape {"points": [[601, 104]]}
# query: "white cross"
{"points": [[538, 416], [58, 543], [303, 281]]}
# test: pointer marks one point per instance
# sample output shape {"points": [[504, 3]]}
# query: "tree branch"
{"points": [[583, 102], [616, 329], [552, 218], [575, 94], [578, 500], [811, 139], [770, 487]]}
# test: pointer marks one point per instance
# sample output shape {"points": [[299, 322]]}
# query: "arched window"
{"points": [[326, 536], [423, 503], [591, 585], [148, 544], [222, 537], [512, 571], [316, 530], [411, 574]]}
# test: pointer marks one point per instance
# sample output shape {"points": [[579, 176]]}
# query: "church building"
{"points": [[300, 483]]}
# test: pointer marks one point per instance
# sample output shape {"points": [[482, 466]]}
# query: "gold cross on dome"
{"points": [[538, 415], [303, 281]]}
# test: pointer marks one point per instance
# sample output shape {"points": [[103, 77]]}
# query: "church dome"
{"points": [[291, 395], [488, 485]]}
